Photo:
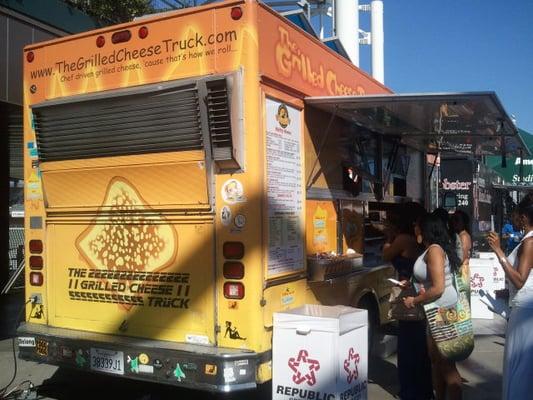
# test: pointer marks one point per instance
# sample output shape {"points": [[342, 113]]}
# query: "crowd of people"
{"points": [[428, 251]]}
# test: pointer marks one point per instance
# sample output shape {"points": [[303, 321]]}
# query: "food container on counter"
{"points": [[322, 267]]}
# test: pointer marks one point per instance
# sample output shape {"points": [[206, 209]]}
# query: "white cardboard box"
{"points": [[498, 276], [487, 276], [320, 353]]}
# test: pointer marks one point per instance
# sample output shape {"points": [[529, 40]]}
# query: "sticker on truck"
{"points": [[26, 342]]}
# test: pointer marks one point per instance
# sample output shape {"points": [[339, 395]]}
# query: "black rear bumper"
{"points": [[180, 364]]}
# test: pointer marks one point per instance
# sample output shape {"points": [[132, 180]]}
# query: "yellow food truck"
{"points": [[189, 174]]}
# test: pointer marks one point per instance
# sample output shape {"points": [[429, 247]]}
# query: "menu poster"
{"points": [[284, 188]]}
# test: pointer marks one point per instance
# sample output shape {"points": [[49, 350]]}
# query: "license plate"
{"points": [[109, 361]]}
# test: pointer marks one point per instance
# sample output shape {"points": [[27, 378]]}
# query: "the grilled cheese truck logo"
{"points": [[293, 60], [283, 116], [128, 241], [127, 247]]}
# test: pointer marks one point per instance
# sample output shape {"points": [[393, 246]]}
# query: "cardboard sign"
{"points": [[320, 353], [481, 281]]}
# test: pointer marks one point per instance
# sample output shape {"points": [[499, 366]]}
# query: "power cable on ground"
{"points": [[3, 391]]}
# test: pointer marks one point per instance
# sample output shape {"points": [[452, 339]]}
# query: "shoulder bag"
{"points": [[451, 327]]}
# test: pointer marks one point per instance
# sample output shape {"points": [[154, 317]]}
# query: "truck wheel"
{"points": [[369, 304]]}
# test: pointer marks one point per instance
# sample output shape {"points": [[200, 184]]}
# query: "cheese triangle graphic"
{"points": [[125, 235]]}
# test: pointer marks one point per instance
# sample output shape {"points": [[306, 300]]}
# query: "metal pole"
{"points": [[377, 37], [521, 169], [378, 185], [346, 24], [4, 193]]}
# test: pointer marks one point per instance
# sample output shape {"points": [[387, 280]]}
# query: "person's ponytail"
{"points": [[434, 231]]}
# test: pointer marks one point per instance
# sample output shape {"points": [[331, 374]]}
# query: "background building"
{"points": [[22, 23]]}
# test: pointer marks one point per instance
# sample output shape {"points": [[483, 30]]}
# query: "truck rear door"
{"points": [[129, 225]]}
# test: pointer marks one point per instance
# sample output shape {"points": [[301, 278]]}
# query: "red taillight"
{"points": [[36, 246], [36, 279], [30, 56], [236, 13], [143, 32], [233, 250], [36, 262], [233, 290], [233, 270], [120, 37], [100, 41]]}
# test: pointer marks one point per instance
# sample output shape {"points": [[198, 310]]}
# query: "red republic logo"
{"points": [[350, 365], [304, 368], [477, 281]]}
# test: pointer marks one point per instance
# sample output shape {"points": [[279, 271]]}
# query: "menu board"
{"points": [[284, 188]]}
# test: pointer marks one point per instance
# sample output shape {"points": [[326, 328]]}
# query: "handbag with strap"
{"points": [[451, 327], [399, 311]]}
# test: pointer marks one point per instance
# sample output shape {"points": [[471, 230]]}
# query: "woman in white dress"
{"points": [[518, 355]]}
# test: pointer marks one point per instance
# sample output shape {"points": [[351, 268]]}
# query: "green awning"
{"points": [[511, 174]]}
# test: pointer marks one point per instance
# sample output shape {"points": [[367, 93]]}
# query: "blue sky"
{"points": [[459, 46], [462, 45]]}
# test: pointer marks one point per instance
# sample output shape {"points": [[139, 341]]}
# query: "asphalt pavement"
{"points": [[482, 372]]}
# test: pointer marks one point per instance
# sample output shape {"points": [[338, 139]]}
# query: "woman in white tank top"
{"points": [[518, 268], [433, 270]]}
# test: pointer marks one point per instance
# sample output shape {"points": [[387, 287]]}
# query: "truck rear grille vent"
{"points": [[123, 124], [219, 120]]}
